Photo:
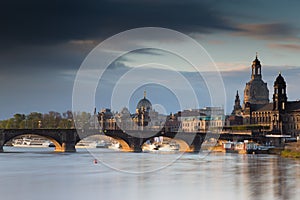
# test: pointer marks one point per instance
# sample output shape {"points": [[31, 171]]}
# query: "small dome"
{"points": [[279, 80], [145, 103]]}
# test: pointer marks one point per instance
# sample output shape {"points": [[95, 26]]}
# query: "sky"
{"points": [[44, 43]]}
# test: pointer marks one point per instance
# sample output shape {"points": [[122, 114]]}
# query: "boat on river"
{"points": [[149, 147], [102, 144], [115, 146], [246, 148], [161, 146], [172, 146], [31, 142]]}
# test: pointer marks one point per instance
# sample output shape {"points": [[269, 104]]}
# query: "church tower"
{"points": [[237, 109], [279, 96], [256, 90]]}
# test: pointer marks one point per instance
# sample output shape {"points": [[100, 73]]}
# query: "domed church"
{"points": [[256, 90], [144, 104], [281, 116], [143, 109]]}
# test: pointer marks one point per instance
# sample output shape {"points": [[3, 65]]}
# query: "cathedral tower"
{"points": [[237, 109], [256, 90], [279, 96]]}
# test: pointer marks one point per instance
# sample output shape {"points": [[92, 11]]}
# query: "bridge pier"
{"points": [[68, 147], [136, 149], [68, 139], [2, 141], [65, 147], [136, 144], [197, 142]]}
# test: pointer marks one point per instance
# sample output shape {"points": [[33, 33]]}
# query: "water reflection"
{"points": [[219, 176]]}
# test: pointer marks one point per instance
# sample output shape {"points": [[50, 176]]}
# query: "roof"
{"points": [[262, 107], [279, 80], [293, 106], [145, 103], [290, 106]]}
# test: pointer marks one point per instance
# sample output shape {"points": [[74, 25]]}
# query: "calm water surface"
{"points": [[41, 174]]}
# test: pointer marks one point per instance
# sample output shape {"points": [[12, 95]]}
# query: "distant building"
{"points": [[196, 120], [202, 120], [144, 117], [256, 90], [280, 116]]}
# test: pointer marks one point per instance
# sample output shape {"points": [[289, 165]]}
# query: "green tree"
{"points": [[18, 119], [34, 119]]}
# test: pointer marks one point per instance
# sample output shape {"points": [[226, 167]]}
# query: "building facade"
{"points": [[278, 117], [202, 120]]}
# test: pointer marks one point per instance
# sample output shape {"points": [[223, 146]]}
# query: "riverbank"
{"points": [[291, 150]]}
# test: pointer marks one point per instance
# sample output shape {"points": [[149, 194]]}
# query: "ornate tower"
{"points": [[279, 96], [256, 90], [237, 109]]}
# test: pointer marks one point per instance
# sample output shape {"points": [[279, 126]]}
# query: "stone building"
{"points": [[256, 90], [279, 116], [202, 120], [143, 110], [144, 118]]}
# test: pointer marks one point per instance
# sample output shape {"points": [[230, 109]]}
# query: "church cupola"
{"points": [[279, 96], [256, 90], [256, 68]]}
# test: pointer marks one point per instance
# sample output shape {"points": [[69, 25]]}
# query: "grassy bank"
{"points": [[291, 150], [290, 153]]}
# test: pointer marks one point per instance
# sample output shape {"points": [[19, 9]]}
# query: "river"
{"points": [[40, 174]]}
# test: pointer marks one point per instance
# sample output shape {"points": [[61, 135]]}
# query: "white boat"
{"points": [[115, 146], [86, 144], [169, 147], [102, 144], [149, 147], [31, 142]]}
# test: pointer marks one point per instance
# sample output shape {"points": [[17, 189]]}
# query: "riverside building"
{"points": [[279, 116]]}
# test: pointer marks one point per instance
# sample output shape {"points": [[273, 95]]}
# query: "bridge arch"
{"points": [[125, 145], [57, 144]]}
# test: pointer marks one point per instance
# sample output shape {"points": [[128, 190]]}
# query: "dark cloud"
{"points": [[41, 22]]}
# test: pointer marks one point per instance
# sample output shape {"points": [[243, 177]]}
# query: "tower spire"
{"points": [[145, 94], [237, 105]]}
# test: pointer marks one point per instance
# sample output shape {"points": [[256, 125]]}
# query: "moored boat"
{"points": [[246, 148], [31, 142], [115, 146], [169, 147]]}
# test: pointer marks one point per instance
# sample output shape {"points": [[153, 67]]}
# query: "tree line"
{"points": [[47, 120]]}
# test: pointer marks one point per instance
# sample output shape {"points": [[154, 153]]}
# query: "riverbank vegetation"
{"points": [[291, 150], [290, 153], [46, 120]]}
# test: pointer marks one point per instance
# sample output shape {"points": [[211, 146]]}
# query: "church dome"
{"points": [[256, 90], [144, 103], [279, 80]]}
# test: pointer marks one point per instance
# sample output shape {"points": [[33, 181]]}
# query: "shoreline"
{"points": [[291, 150]]}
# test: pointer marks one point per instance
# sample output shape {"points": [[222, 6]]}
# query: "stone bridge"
{"points": [[66, 139]]}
